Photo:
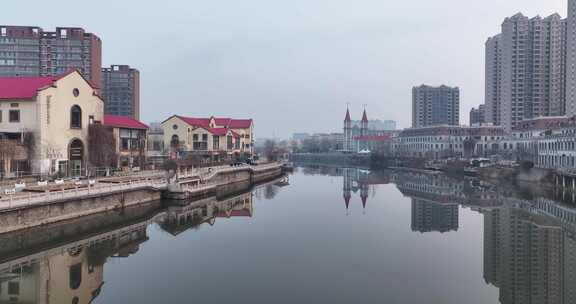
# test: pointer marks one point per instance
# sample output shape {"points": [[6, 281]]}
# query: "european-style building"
{"points": [[212, 136], [130, 137], [48, 117]]}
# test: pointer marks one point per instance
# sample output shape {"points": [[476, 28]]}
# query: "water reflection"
{"points": [[64, 262], [528, 250], [529, 244]]}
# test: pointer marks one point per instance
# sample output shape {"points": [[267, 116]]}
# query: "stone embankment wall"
{"points": [[542, 177], [22, 242], [41, 214]]}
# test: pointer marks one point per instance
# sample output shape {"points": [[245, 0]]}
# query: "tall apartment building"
{"points": [[493, 79], [571, 59], [121, 91], [525, 70], [478, 116], [435, 106], [30, 51]]}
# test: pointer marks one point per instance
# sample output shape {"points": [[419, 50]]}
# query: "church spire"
{"points": [[364, 116], [347, 119]]}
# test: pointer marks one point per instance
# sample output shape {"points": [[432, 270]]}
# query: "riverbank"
{"points": [[547, 178], [40, 209], [125, 227], [343, 159]]}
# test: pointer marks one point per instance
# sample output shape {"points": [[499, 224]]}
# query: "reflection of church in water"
{"points": [[361, 183]]}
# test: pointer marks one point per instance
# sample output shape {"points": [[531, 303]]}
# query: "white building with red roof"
{"points": [[50, 117], [209, 136], [130, 137]]}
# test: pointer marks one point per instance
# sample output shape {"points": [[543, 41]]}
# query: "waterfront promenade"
{"points": [[193, 180]]}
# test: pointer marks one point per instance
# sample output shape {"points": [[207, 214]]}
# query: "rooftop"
{"points": [[124, 122], [26, 88]]}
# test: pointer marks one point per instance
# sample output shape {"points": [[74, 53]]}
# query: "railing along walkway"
{"points": [[24, 199]]}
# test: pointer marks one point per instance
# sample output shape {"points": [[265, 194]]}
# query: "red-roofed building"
{"points": [[50, 116], [131, 140], [212, 137]]}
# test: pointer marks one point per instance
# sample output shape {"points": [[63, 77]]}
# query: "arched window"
{"points": [[75, 276], [75, 117], [175, 142]]}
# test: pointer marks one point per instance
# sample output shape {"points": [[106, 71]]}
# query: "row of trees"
{"points": [[317, 145]]}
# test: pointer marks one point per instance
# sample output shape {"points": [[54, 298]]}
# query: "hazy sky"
{"points": [[292, 65]]}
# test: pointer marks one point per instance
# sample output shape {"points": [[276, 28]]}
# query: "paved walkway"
{"points": [[151, 180]]}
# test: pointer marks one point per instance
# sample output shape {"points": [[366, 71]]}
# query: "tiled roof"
{"points": [[123, 122], [26, 88], [240, 123], [23, 87], [220, 122]]}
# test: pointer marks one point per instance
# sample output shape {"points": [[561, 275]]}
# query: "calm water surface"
{"points": [[336, 236]]}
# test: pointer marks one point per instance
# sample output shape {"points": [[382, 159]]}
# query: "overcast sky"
{"points": [[292, 65]]}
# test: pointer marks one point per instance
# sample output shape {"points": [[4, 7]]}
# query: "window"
{"points": [[76, 92], [13, 288], [0, 115], [230, 143], [175, 127], [125, 144], [216, 142], [14, 105], [75, 276], [204, 137], [75, 117], [195, 137], [14, 116], [175, 141]]}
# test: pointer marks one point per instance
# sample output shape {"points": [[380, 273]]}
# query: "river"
{"points": [[329, 235]]}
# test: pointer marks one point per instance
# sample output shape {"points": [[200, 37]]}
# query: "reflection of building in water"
{"points": [[428, 216], [530, 252], [182, 218], [70, 266], [75, 275], [435, 201], [360, 182]]}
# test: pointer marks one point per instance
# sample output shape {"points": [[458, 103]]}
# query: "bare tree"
{"points": [[102, 146], [270, 150], [7, 152]]}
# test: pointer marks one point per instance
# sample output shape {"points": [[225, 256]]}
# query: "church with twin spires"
{"points": [[359, 137]]}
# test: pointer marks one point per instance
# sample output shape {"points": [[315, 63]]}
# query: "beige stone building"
{"points": [[49, 116], [209, 136], [130, 136]]}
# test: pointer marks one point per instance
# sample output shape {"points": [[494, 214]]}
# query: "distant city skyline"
{"points": [[276, 61]]}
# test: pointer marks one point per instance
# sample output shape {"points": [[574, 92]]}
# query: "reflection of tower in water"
{"points": [[353, 183], [428, 216], [347, 187], [364, 196]]}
